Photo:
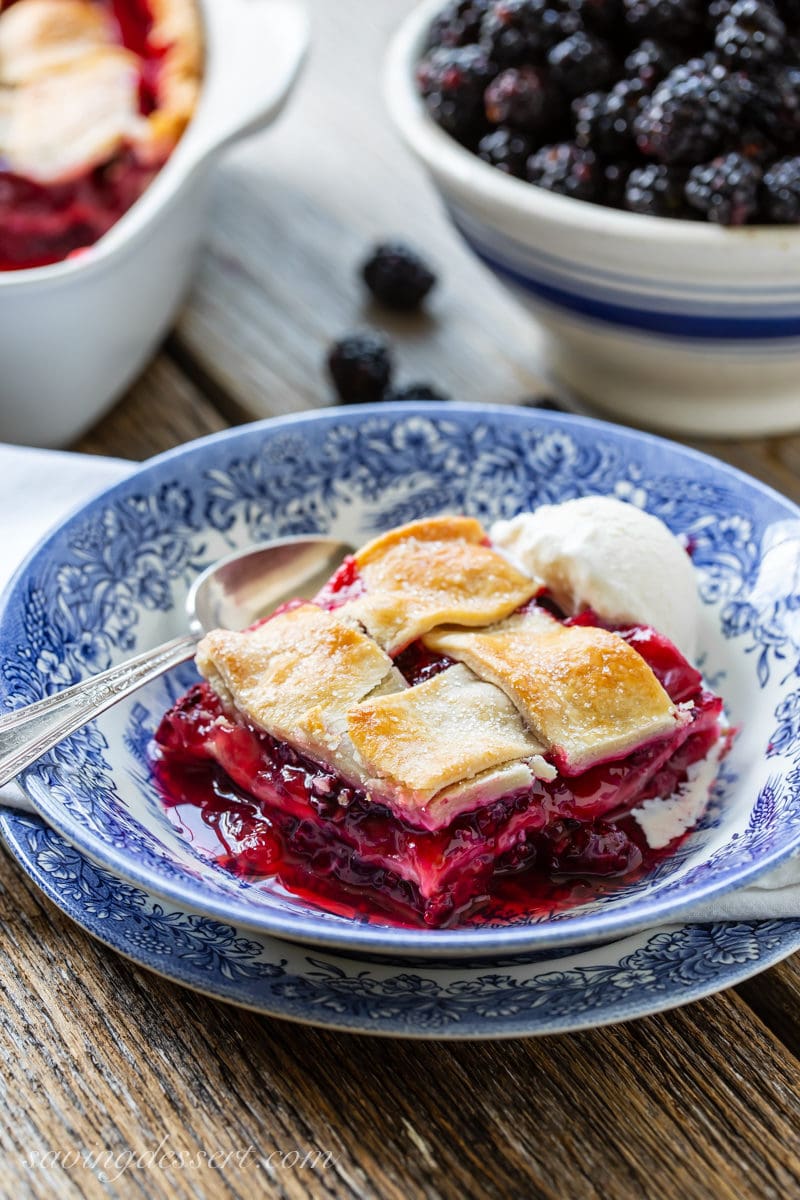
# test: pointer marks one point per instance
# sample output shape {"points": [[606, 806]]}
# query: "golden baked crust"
{"points": [[69, 92], [439, 733], [178, 34], [293, 667], [74, 117], [522, 687], [445, 528], [430, 573], [584, 691], [39, 36]]}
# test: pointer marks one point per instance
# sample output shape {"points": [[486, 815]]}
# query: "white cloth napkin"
{"points": [[37, 487]]}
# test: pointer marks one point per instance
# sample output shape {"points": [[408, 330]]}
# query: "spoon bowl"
{"points": [[232, 593], [249, 584]]}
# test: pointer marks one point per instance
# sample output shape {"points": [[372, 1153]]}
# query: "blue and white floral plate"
{"points": [[112, 578], [547, 993], [551, 993]]}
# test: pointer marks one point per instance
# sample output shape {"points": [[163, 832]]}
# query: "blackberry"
{"points": [[755, 145], [775, 106], [420, 390], [581, 63], [790, 12], [615, 178], [397, 276], [452, 83], [361, 367], [517, 31], [707, 90], [781, 192], [523, 97], [678, 20], [691, 115], [656, 191], [543, 402], [588, 112], [457, 24], [751, 35], [600, 16], [725, 190], [567, 169], [506, 149], [604, 120], [651, 62]]}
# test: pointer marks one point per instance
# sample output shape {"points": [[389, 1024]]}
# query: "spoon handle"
{"points": [[28, 733]]}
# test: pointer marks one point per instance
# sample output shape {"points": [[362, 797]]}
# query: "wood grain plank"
{"points": [[775, 461], [106, 1056], [775, 997], [292, 216], [163, 409]]}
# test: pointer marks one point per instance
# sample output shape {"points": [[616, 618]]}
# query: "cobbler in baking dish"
{"points": [[437, 734], [94, 96]]}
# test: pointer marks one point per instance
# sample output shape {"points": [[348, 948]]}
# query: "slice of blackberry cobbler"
{"points": [[431, 728]]}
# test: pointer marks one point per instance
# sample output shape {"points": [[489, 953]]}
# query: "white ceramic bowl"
{"points": [[74, 335], [679, 325]]}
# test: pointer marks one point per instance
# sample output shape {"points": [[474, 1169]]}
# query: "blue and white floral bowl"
{"points": [[679, 325], [112, 579]]}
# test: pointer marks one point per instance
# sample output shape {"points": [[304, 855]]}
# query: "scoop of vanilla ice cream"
{"points": [[599, 553]]}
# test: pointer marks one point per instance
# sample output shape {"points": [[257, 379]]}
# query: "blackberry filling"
{"points": [[265, 809]]}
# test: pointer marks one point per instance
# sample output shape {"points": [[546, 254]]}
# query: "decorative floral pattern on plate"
{"points": [[543, 994], [113, 578]]}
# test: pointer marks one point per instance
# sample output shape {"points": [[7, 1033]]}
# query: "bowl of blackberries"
{"points": [[631, 170]]}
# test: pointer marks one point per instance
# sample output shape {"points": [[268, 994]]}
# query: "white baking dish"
{"points": [[75, 334]]}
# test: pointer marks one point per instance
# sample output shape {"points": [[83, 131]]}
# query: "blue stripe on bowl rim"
{"points": [[657, 293], [673, 325]]}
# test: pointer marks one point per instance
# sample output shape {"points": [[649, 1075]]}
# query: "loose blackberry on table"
{"points": [[619, 102], [419, 390], [397, 276], [361, 367]]}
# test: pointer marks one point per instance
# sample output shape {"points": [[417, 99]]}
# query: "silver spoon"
{"points": [[231, 594]]}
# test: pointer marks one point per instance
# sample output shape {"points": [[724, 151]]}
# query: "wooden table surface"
{"points": [[698, 1103]]}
